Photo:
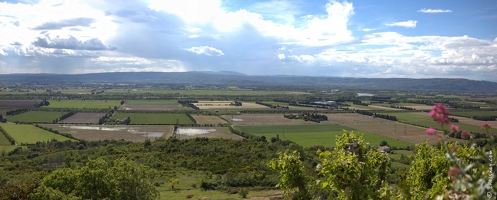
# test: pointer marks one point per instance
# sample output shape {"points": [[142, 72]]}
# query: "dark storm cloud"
{"points": [[70, 43], [82, 21]]}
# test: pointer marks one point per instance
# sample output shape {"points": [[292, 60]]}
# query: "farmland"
{"points": [[18, 103], [153, 118], [36, 117], [144, 105], [262, 119], [391, 129], [118, 132], [3, 140], [311, 135], [29, 134], [83, 104], [83, 118], [208, 132], [226, 105], [470, 114], [208, 119], [422, 119]]}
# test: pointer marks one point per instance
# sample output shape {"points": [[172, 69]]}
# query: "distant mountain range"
{"points": [[239, 79]]}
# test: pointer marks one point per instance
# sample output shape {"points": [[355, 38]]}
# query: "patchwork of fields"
{"points": [[269, 125]]}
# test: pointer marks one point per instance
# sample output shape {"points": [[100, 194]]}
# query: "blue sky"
{"points": [[376, 39]]}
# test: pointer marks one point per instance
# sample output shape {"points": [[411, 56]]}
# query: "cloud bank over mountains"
{"points": [[318, 38]]}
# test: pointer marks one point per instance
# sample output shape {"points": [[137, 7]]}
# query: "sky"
{"points": [[372, 39]]}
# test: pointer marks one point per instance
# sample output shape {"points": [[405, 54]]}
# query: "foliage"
{"points": [[99, 179], [352, 170]]}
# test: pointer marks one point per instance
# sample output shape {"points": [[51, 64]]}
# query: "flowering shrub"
{"points": [[470, 174]]}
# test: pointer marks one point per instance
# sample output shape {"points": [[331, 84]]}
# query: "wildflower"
{"points": [[440, 114], [454, 172], [454, 128], [464, 135], [431, 131], [485, 126]]}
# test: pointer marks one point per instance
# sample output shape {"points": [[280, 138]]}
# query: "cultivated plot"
{"points": [[208, 119], [36, 117], [226, 105], [311, 135], [423, 119], [207, 132], [263, 119], [83, 118], [391, 129], [153, 107], [84, 104], [153, 118], [465, 123], [29, 134], [18, 103], [118, 132]]}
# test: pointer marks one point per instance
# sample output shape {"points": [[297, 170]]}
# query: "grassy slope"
{"points": [[30, 134]]}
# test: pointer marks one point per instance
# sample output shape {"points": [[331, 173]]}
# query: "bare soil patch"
{"points": [[17, 104], [83, 118], [153, 107], [129, 133], [207, 132], [263, 119], [226, 104], [208, 119], [391, 129]]}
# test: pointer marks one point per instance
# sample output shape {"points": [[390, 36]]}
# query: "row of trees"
{"points": [[372, 114]]}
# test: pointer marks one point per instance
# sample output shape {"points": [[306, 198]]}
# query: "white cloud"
{"points": [[368, 29], [210, 51], [406, 24], [424, 10]]}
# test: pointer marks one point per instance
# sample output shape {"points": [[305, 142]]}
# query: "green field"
{"points": [[10, 148], [29, 134], [153, 118], [426, 121], [36, 116], [311, 135], [84, 104], [152, 102], [3, 140], [474, 113]]}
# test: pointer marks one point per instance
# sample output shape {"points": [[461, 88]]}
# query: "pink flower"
{"points": [[431, 131], [454, 172], [440, 114], [465, 135], [485, 126], [454, 128]]}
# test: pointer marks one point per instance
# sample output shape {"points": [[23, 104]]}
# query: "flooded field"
{"points": [[130, 133]]}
